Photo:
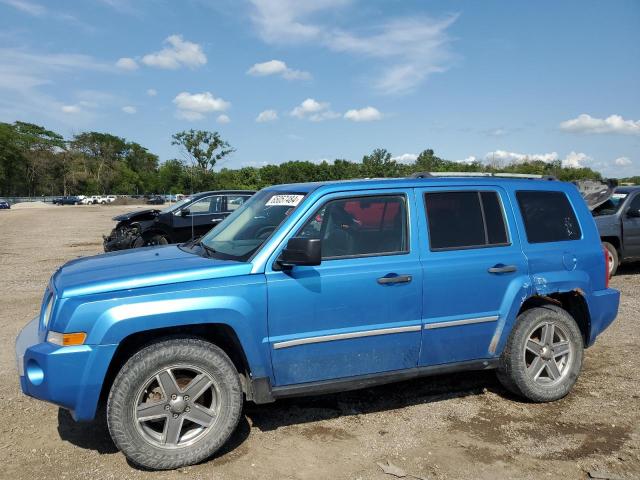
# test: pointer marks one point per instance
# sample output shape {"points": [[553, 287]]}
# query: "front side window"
{"points": [[465, 219], [360, 226], [548, 216], [242, 233]]}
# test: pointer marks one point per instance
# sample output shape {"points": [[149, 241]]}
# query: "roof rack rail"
{"points": [[531, 176]]}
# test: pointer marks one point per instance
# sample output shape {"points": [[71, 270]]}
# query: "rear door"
{"points": [[471, 265], [631, 228]]}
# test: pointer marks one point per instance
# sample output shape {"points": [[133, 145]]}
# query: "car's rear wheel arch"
{"points": [[573, 302]]}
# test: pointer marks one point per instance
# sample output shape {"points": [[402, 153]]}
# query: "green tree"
{"points": [[202, 148]]}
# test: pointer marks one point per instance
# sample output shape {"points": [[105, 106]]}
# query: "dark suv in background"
{"points": [[618, 221], [186, 219]]}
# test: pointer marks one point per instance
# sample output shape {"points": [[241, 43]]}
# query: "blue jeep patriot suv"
{"points": [[321, 287]]}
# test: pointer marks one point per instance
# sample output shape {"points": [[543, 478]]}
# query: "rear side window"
{"points": [[465, 219], [548, 216]]}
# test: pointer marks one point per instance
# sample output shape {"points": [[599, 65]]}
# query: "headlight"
{"points": [[46, 314]]}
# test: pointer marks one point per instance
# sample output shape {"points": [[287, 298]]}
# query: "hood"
{"points": [[594, 192], [147, 214], [141, 267]]}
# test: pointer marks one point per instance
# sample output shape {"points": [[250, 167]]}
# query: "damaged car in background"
{"points": [[616, 210], [189, 218]]}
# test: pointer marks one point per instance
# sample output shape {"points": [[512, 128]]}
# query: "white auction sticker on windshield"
{"points": [[285, 200]]}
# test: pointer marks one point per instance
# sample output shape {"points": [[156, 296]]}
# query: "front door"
{"points": [[472, 262], [359, 311], [204, 214], [631, 228]]}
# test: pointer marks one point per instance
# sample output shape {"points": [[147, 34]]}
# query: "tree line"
{"points": [[35, 161]]}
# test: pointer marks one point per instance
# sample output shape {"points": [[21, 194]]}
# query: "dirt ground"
{"points": [[458, 426]]}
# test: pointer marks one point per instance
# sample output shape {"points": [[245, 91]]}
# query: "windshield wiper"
{"points": [[210, 251]]}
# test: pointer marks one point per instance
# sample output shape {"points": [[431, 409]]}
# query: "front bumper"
{"points": [[70, 377], [603, 309]]}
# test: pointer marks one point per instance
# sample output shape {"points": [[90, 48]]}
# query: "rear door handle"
{"points": [[388, 280], [500, 268]]}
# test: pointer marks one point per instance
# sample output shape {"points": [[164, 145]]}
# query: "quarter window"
{"points": [[548, 216], [362, 226], [465, 219]]}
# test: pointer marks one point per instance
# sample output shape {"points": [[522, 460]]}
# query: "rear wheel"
{"points": [[543, 355], [613, 260], [174, 403]]}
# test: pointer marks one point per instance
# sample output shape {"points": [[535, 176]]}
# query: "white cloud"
{"points": [[223, 118], [366, 114], [612, 124], [129, 109], [505, 156], [313, 110], [622, 161], [267, 116], [405, 158], [410, 48], [70, 108], [277, 67], [152, 92], [178, 53], [576, 160], [126, 63], [571, 160], [469, 159], [194, 106], [34, 9]]}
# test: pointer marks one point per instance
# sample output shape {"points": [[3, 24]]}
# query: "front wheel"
{"points": [[174, 403], [543, 355]]}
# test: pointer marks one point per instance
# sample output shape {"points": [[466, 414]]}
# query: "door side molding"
{"points": [[464, 321], [345, 336]]}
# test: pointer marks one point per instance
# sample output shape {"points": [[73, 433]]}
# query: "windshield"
{"points": [[611, 206], [243, 232], [175, 206]]}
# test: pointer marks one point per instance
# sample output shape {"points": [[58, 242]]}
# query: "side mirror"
{"points": [[185, 212], [301, 251], [633, 213]]}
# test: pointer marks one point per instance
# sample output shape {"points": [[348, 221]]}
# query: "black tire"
{"points": [[613, 260], [513, 371], [151, 240], [130, 382]]}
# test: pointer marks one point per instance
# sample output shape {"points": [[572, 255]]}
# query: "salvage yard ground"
{"points": [[459, 426]]}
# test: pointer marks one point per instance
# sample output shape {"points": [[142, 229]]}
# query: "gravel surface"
{"points": [[458, 426]]}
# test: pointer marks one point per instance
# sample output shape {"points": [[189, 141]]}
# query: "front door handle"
{"points": [[500, 268], [394, 279], [216, 220]]}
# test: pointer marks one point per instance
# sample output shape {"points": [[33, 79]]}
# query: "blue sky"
{"points": [[296, 80]]}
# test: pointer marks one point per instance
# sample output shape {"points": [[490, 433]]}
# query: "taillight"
{"points": [[606, 267]]}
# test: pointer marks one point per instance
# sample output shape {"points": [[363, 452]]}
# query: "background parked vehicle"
{"points": [[69, 200], [156, 200], [618, 221], [191, 217], [4, 204]]}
